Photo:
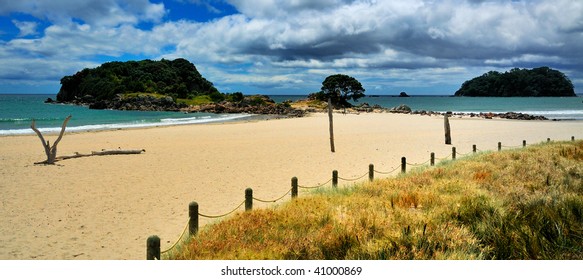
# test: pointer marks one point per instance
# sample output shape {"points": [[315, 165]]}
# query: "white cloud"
{"points": [[295, 42], [26, 27], [103, 12]]}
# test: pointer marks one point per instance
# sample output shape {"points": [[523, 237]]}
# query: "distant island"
{"points": [[165, 85], [536, 82], [177, 78]]}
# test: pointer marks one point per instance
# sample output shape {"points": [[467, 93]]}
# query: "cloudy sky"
{"points": [[290, 47]]}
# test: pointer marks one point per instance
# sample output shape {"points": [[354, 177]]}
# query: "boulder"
{"points": [[403, 109]]}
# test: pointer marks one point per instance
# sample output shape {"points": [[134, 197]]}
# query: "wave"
{"points": [[136, 124], [19, 120]]}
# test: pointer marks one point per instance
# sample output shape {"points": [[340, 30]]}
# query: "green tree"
{"points": [[340, 88]]}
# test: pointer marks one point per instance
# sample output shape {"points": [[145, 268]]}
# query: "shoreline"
{"points": [[234, 118], [106, 207]]}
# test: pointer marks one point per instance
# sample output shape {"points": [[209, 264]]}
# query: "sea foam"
{"points": [[126, 125]]}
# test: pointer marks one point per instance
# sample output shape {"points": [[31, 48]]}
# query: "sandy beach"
{"points": [[106, 207]]}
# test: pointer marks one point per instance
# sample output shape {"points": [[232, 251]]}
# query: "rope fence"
{"points": [[153, 242]]}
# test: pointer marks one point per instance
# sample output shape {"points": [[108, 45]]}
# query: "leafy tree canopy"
{"points": [[178, 78], [340, 89], [542, 81]]}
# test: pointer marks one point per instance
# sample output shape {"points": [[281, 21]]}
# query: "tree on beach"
{"points": [[338, 89]]}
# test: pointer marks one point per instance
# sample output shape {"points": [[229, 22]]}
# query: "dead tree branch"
{"points": [[50, 151], [102, 153]]}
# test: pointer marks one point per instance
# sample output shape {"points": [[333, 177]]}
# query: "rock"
{"points": [[403, 109], [99, 105], [49, 100], [403, 94], [258, 104]]}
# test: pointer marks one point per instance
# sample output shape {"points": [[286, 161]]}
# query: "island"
{"points": [[165, 85], [536, 82]]}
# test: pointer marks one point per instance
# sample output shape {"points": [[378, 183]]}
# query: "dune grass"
{"points": [[516, 204]]}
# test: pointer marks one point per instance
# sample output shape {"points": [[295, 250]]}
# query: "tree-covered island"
{"points": [[165, 85], [537, 82]]}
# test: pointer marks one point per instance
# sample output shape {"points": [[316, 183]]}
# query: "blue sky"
{"points": [[290, 47]]}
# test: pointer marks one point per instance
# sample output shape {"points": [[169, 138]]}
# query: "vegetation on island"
{"points": [[177, 78], [514, 204], [165, 85], [537, 82]]}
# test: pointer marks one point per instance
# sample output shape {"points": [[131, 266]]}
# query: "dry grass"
{"points": [[518, 204]]}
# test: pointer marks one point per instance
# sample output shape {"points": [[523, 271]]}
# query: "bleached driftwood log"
{"points": [[51, 151], [102, 153]]}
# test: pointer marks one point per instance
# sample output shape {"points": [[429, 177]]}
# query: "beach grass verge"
{"points": [[514, 204]]}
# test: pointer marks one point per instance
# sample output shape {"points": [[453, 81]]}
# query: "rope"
{"points": [[518, 146], [443, 157], [365, 174], [418, 164], [315, 187], [385, 173], [275, 200], [177, 241], [220, 216], [463, 154]]}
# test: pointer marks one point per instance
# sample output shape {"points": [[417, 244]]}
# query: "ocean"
{"points": [[17, 111]]}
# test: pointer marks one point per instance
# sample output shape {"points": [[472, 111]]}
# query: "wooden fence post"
{"points": [[432, 159], [371, 172], [447, 129], [548, 140], [335, 178], [572, 138], [499, 146], [403, 165], [153, 248], [248, 199], [193, 218], [523, 143], [294, 183], [474, 149], [453, 153]]}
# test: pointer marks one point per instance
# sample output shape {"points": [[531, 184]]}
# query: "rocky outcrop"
{"points": [[134, 103], [257, 104], [402, 109], [508, 115]]}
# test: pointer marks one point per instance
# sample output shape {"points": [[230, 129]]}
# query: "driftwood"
{"points": [[102, 153], [51, 151]]}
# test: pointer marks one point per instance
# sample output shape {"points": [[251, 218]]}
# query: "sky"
{"points": [[290, 47]]}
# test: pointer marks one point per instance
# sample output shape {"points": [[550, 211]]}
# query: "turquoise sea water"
{"points": [[562, 108], [17, 111]]}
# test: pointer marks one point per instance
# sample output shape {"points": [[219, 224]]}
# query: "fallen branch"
{"points": [[103, 153], [50, 151]]}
